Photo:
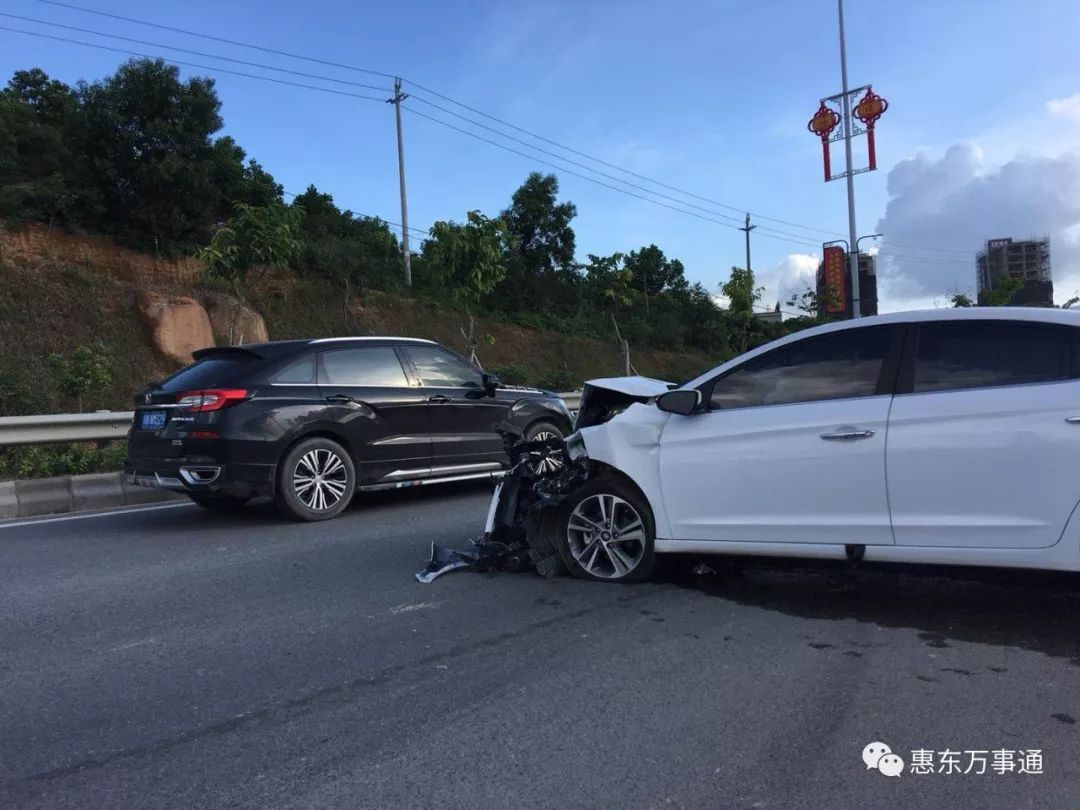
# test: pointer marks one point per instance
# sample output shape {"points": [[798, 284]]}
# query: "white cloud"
{"points": [[792, 276], [1068, 107], [957, 202]]}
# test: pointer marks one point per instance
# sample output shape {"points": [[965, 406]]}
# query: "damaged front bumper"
{"points": [[519, 531]]}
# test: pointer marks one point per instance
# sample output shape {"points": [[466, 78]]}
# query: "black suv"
{"points": [[308, 422]]}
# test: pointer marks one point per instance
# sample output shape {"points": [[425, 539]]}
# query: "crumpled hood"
{"points": [[645, 387], [601, 399]]}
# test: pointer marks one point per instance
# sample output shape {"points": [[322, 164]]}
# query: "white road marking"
{"points": [[394, 611], [134, 644], [87, 515]]}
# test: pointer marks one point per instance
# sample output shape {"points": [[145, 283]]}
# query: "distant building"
{"points": [[867, 287], [1025, 260], [772, 316]]}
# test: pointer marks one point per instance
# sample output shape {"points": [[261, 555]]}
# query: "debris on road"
{"points": [[521, 525], [703, 570]]}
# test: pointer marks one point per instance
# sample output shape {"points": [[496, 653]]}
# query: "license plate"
{"points": [[152, 420]]}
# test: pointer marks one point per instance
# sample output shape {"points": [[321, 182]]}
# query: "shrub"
{"points": [[44, 461], [512, 375], [559, 381]]}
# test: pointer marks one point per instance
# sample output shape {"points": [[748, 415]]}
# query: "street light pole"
{"points": [[853, 259]]}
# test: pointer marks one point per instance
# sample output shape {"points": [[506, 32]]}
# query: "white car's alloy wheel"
{"points": [[606, 536]]}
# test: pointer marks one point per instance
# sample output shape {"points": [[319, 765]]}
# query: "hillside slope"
{"points": [[59, 291]]}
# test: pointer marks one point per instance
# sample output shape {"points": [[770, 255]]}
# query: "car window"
{"points": [[837, 366], [957, 356], [215, 371], [437, 367], [369, 366], [300, 372]]}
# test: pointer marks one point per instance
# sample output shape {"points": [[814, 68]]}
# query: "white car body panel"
{"points": [[631, 444], [985, 476], [989, 467], [767, 475]]}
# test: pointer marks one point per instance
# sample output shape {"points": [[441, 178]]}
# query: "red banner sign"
{"points": [[835, 280]]}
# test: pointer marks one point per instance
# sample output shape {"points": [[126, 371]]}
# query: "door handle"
{"points": [[339, 399], [847, 434], [438, 398], [1073, 420]]}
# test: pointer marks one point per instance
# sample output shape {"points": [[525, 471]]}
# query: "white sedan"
{"points": [[948, 437]]}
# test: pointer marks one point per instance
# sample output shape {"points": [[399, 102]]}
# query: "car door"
{"points": [[381, 411], [462, 415], [789, 447], [983, 435]]}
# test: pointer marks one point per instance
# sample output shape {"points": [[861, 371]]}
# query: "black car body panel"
{"points": [[408, 412]]}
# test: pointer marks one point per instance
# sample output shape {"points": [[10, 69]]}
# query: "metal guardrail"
{"points": [[101, 425]]}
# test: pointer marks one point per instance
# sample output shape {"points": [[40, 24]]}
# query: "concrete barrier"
{"points": [[73, 493], [9, 501], [43, 496], [96, 491]]}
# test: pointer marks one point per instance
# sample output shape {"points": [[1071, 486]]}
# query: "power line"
{"points": [[357, 215], [557, 156], [422, 88], [573, 173], [189, 64], [238, 44], [196, 53], [613, 165]]}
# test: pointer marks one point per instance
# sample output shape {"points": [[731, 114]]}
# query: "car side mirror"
{"points": [[490, 382], [683, 402]]}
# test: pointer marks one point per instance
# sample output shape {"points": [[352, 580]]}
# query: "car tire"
{"points": [[545, 430], [316, 480], [606, 532], [219, 503]]}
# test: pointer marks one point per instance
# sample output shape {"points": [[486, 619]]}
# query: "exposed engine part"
{"points": [[514, 537], [520, 529]]}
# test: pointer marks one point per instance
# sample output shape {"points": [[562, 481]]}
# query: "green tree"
{"points": [[653, 273], [253, 237], [741, 293], [85, 371], [610, 284], [959, 300], [162, 179], [1003, 293], [467, 259], [38, 164], [815, 304], [540, 264]]}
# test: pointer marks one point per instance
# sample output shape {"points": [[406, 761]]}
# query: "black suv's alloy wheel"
{"points": [[316, 480]]}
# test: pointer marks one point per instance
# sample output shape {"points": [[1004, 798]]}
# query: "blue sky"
{"points": [[710, 97]]}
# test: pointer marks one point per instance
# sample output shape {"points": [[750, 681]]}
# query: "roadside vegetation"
{"points": [[137, 156]]}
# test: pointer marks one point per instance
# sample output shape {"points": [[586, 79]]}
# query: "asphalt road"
{"points": [[174, 658]]}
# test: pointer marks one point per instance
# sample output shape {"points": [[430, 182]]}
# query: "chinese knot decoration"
{"points": [[822, 125], [869, 110]]}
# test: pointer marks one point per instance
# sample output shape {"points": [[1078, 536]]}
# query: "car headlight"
{"points": [[575, 447]]}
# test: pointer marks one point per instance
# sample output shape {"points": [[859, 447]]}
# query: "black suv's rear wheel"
{"points": [[316, 480]]}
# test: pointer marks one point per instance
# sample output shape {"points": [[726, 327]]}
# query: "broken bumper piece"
{"points": [[520, 529]]}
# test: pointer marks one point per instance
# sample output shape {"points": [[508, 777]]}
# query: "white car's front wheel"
{"points": [[606, 532]]}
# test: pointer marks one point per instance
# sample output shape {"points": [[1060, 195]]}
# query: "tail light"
{"points": [[212, 399]]}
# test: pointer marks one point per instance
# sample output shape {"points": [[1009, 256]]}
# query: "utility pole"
{"points": [[746, 229], [853, 257], [405, 254]]}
